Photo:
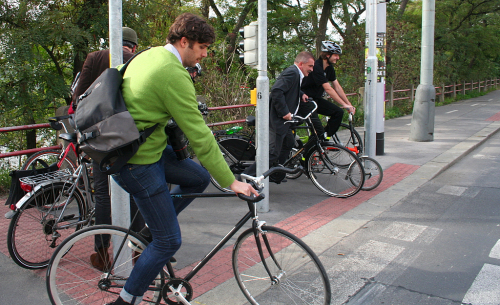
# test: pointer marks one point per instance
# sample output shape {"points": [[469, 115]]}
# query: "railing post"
{"points": [[361, 99], [412, 93], [463, 87], [391, 96], [454, 94], [441, 97]]}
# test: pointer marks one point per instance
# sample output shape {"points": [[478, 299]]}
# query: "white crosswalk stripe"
{"points": [[485, 289]]}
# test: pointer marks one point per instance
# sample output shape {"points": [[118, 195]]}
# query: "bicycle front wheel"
{"points": [[71, 279], [289, 274], [335, 170], [32, 237], [373, 173], [49, 157]]}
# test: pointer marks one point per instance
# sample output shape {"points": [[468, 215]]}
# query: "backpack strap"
{"points": [[105, 165], [124, 67]]}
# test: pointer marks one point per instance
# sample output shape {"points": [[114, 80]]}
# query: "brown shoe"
{"points": [[100, 260]]}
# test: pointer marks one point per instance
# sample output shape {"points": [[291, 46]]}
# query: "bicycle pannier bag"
{"points": [[105, 129]]}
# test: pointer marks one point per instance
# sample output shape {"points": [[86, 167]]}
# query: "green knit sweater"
{"points": [[156, 87]]}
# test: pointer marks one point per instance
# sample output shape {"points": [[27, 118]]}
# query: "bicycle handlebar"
{"points": [[299, 119], [258, 181]]}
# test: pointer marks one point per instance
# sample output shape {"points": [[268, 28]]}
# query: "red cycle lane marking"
{"points": [[219, 268], [495, 117]]}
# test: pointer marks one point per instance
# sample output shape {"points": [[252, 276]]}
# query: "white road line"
{"points": [[347, 277], [474, 105], [452, 190], [403, 231], [408, 124], [451, 111], [485, 289], [495, 251]]}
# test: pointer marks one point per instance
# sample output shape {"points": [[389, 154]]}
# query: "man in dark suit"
{"points": [[284, 102], [94, 65]]}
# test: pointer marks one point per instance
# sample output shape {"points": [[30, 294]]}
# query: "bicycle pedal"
{"points": [[68, 217]]}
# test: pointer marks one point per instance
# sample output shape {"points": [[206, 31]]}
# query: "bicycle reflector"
{"points": [[26, 187]]}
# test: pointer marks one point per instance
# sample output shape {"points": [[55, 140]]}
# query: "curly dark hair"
{"points": [[193, 27]]}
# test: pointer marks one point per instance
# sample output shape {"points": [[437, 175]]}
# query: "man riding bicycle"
{"points": [[317, 84]]}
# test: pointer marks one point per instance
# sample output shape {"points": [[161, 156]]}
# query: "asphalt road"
{"points": [[440, 245]]}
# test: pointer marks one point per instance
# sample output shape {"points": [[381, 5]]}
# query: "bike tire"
{"points": [[298, 276], [343, 137], [239, 152], [373, 173], [71, 279], [49, 157], [335, 170], [29, 239]]}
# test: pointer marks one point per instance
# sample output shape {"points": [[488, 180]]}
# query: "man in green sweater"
{"points": [[156, 87]]}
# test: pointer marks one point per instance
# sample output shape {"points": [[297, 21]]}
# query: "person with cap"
{"points": [[95, 63], [317, 84]]}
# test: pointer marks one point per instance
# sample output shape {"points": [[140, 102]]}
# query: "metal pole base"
{"points": [[422, 122]]}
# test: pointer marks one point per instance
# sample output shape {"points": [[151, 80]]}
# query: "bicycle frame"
{"points": [[251, 214]]}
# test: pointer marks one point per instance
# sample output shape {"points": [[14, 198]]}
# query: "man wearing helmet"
{"points": [[318, 84]]}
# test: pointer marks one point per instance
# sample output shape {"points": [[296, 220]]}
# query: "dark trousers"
{"points": [[103, 207], [324, 108]]}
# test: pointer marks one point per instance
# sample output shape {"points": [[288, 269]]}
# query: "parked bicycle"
{"points": [[56, 204], [65, 158], [332, 168], [271, 265]]}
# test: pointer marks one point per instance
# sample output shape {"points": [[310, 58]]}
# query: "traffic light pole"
{"points": [[371, 79], [262, 111]]}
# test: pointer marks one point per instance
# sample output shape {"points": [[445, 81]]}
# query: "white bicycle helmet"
{"points": [[330, 47]]}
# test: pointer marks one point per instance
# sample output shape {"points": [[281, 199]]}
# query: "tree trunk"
{"points": [[323, 21]]}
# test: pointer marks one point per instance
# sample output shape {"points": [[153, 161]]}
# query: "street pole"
{"points": [[371, 79], [422, 122], [120, 200], [381, 70], [262, 111]]}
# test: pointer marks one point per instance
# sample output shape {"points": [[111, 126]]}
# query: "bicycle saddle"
{"points": [[250, 120]]}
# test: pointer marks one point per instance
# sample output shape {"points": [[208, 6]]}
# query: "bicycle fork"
{"points": [[257, 226]]}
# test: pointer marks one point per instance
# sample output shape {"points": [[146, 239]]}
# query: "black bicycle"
{"points": [[332, 168], [271, 266]]}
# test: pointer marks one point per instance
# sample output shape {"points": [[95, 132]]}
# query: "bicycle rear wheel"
{"points": [[49, 157], [296, 275], [239, 152], [344, 137], [71, 279], [335, 170], [373, 173], [31, 239]]}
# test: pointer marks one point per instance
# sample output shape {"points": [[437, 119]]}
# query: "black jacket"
{"points": [[284, 97]]}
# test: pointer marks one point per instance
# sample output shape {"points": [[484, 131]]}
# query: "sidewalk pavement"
{"points": [[297, 206]]}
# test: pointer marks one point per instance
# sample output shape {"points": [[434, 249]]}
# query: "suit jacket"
{"points": [[94, 65], [284, 97]]}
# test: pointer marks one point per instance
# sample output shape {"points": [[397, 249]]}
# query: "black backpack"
{"points": [[105, 129]]}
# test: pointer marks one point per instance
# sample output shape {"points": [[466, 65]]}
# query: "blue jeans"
{"points": [[148, 185]]}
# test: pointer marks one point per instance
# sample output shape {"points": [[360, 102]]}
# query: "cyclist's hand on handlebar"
{"points": [[351, 109], [288, 117], [305, 98], [243, 188]]}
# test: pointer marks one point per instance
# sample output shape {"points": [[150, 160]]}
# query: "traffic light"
{"points": [[249, 44]]}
